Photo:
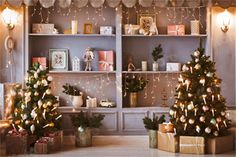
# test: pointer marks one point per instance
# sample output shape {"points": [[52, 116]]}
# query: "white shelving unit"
{"points": [[121, 119]]}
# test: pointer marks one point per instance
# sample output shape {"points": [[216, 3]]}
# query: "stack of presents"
{"points": [[168, 141]]}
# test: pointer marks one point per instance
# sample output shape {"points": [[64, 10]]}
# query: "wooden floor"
{"points": [[121, 146]]}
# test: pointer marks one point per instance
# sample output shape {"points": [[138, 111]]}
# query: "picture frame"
{"points": [[88, 28], [146, 20], [58, 59]]}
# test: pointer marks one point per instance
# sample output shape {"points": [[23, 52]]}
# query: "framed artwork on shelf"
{"points": [[145, 21], [88, 28], [58, 59]]}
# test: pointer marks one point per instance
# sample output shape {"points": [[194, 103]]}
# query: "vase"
{"points": [[133, 99], [83, 137], [152, 139], [155, 66], [77, 101]]}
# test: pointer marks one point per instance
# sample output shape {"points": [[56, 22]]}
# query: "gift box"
{"points": [[192, 145], [173, 66], [106, 60], [220, 145], [54, 141], [176, 30], [7, 97], [16, 143], [41, 146], [31, 140], [166, 127], [106, 30], [41, 60], [42, 28], [168, 142]]}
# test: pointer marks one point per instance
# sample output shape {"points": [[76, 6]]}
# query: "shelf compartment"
{"points": [[165, 35], [151, 72], [70, 35], [82, 72]]}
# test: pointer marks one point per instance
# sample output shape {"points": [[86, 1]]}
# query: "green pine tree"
{"points": [[36, 107], [200, 108]]}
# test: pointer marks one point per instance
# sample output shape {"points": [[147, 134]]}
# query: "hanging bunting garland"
{"points": [[96, 3], [80, 3], [129, 3], [15, 3], [47, 3], [161, 3], [64, 3], [145, 3], [30, 2], [113, 3]]}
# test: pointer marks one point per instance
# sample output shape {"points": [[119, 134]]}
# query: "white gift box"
{"points": [[40, 28], [173, 66], [106, 30]]}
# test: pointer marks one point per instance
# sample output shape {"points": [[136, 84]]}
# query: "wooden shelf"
{"points": [[82, 72], [71, 109], [70, 35], [165, 35], [151, 72]]}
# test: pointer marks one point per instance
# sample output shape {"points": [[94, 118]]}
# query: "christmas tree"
{"points": [[36, 107], [200, 108]]}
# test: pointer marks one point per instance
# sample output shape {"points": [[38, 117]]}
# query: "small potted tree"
{"points": [[132, 85], [76, 95], [84, 125], [156, 54], [152, 126]]}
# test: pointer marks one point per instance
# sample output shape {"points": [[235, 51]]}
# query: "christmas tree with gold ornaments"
{"points": [[36, 106], [199, 109]]}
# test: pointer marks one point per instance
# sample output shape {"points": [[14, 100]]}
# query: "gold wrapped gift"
{"points": [[192, 144], [168, 142]]}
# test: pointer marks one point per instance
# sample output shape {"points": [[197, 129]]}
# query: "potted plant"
{"points": [[83, 124], [152, 125], [133, 85], [76, 95], [156, 54]]}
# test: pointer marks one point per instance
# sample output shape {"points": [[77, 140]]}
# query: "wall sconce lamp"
{"points": [[224, 20], [9, 17]]}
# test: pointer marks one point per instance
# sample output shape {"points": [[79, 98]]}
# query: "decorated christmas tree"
{"points": [[199, 109], [36, 107]]}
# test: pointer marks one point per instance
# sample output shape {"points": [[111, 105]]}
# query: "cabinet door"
{"points": [[132, 121], [109, 123], [160, 113]]}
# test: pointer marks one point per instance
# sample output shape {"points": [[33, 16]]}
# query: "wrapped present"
{"points": [[54, 141], [7, 98], [17, 140], [168, 142], [31, 140], [106, 61], [220, 145], [166, 127], [41, 146], [192, 145], [173, 66], [176, 30], [41, 60]]}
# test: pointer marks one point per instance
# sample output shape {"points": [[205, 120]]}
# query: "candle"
{"points": [[191, 69], [144, 65], [74, 26], [175, 131], [179, 95], [218, 96], [175, 114], [195, 112], [185, 126], [186, 112], [217, 126], [213, 112], [212, 97], [204, 98], [225, 123], [178, 87]]}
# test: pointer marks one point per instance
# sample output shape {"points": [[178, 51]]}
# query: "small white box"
{"points": [[106, 30], [40, 28], [173, 66], [75, 64]]}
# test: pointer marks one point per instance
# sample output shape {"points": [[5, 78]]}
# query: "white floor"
{"points": [[121, 146]]}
